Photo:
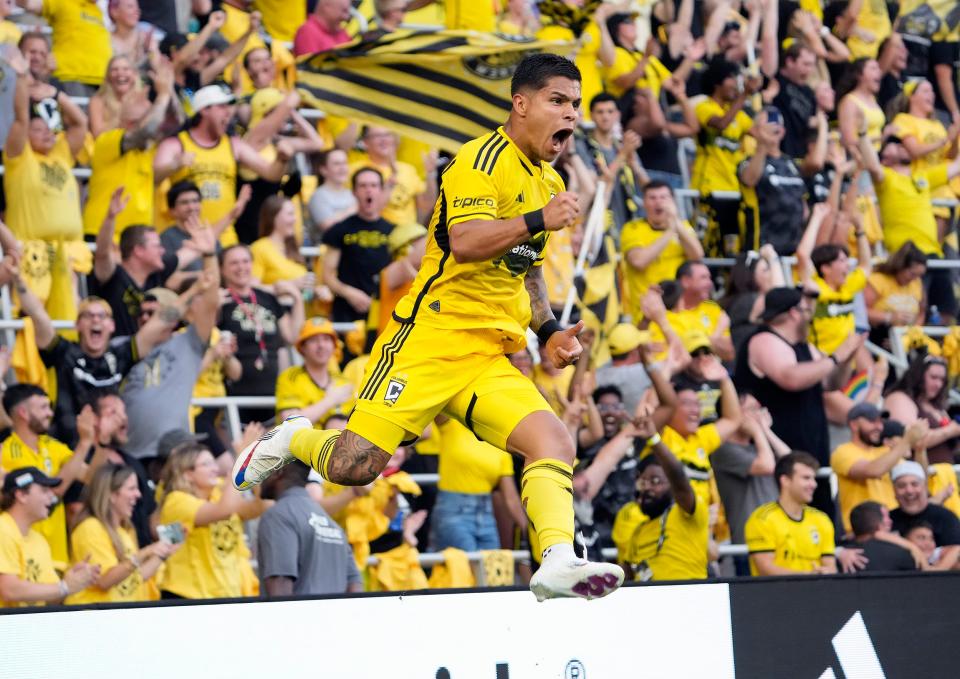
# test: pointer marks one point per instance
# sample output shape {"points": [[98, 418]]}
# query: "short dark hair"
{"points": [[825, 254], [605, 390], [18, 393], [31, 35], [95, 398], [656, 184], [785, 464], [866, 517], [917, 523], [133, 236], [296, 473], [793, 52], [686, 269], [246, 57], [649, 461], [718, 70], [602, 97], [179, 189], [353, 179], [536, 69]]}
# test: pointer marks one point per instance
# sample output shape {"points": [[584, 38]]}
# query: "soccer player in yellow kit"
{"points": [[479, 287]]}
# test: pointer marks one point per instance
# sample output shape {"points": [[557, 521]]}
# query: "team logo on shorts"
{"points": [[395, 387]]}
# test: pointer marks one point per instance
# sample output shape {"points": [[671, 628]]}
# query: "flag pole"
{"points": [[594, 224]]}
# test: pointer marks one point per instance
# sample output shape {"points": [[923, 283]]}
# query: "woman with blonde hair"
{"points": [[276, 256], [122, 81], [214, 561], [925, 138], [105, 537]]}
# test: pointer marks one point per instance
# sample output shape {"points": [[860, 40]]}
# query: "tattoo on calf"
{"points": [[355, 461]]}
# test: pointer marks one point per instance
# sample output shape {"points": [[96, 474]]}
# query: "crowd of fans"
{"points": [[786, 135]]}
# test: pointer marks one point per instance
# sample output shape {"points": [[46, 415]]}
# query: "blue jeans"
{"points": [[464, 521]]}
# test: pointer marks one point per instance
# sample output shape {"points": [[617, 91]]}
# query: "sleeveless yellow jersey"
{"points": [[797, 545], [489, 179], [214, 170]]}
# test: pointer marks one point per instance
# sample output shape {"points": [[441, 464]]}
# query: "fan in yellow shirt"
{"points": [[863, 465], [789, 537], [81, 41], [672, 544], [27, 575], [631, 68], [411, 198], [723, 128], [124, 157], [827, 267], [105, 538], [28, 407], [894, 292], [276, 256], [654, 248], [311, 390], [469, 471], [213, 561]]}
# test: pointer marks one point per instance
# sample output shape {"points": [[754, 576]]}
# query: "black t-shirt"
{"points": [[79, 374], [890, 86], [946, 526], [124, 295], [363, 255], [797, 105], [780, 195], [258, 314], [884, 556], [160, 13], [943, 53]]}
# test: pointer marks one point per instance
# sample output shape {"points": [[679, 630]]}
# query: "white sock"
{"points": [[560, 550]]}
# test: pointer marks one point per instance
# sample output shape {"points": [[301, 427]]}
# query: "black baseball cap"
{"points": [[779, 301], [893, 428], [867, 411], [21, 478], [174, 438]]}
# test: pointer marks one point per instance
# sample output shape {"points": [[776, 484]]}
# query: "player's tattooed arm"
{"points": [[539, 301]]}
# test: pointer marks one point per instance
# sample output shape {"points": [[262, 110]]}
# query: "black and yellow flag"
{"points": [[440, 87]]}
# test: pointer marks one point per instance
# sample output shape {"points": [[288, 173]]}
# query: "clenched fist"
{"points": [[562, 211]]}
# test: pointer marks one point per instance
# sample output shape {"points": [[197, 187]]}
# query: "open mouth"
{"points": [[560, 137], [96, 333]]}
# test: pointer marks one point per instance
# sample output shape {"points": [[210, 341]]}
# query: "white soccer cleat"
{"points": [[559, 577], [267, 454]]}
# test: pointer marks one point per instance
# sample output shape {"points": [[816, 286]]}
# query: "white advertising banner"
{"points": [[659, 631]]}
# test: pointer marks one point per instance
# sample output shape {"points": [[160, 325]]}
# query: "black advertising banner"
{"points": [[867, 627]]}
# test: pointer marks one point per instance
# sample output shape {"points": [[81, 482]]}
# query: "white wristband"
{"points": [[654, 440], [64, 590]]}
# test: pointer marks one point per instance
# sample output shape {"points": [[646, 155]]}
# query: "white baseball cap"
{"points": [[211, 95]]}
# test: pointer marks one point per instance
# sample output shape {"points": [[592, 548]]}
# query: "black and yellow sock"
{"points": [[314, 446], [546, 488]]}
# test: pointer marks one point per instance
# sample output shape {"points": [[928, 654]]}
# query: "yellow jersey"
{"points": [[10, 33], [25, 556], [407, 185], [553, 386], [297, 390], [91, 540], [469, 465], [639, 233], [874, 17], [271, 265], [927, 131], [281, 18], [833, 319], [49, 457], [111, 167], [654, 72], [210, 562], [214, 171], [718, 153], [489, 179], [672, 546], [625, 524], [797, 545], [852, 492], [472, 15], [694, 452], [891, 296], [81, 41], [705, 317], [43, 198], [904, 202]]}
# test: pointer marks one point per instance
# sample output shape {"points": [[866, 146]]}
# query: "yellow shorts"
{"points": [[416, 372]]}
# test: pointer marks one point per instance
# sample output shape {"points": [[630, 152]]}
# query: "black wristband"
{"points": [[534, 222], [546, 330]]}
